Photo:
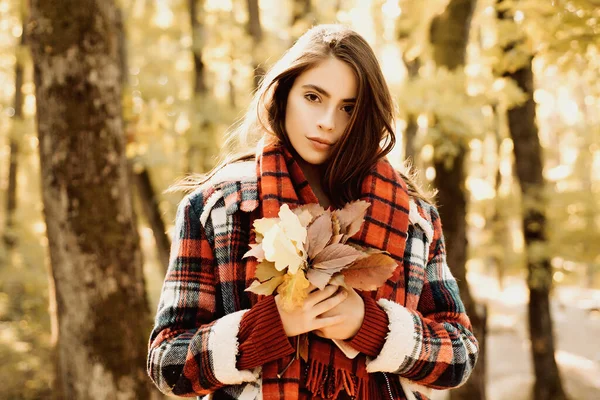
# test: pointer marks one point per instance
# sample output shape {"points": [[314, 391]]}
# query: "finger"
{"points": [[329, 303], [320, 323], [319, 295]]}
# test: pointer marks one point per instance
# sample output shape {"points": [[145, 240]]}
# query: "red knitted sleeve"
{"points": [[261, 336], [372, 334]]}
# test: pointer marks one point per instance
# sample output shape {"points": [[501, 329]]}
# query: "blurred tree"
{"points": [[302, 18], [254, 29], [449, 36], [139, 172], [529, 170], [202, 142], [96, 261], [9, 237]]}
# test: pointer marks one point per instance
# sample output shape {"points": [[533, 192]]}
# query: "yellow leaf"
{"points": [[281, 250], [266, 288], [266, 270], [291, 226], [293, 290], [262, 226]]}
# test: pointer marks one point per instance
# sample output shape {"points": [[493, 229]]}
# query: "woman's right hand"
{"points": [[306, 318]]}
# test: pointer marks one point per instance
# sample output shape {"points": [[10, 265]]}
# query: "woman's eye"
{"points": [[348, 109], [311, 97]]}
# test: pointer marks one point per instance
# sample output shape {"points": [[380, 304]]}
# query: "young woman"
{"points": [[318, 131]]}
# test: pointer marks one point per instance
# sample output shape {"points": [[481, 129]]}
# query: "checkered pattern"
{"points": [[193, 346]]}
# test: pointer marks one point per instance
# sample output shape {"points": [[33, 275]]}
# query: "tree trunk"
{"points": [[96, 261], [301, 9], [143, 183], [528, 161], [254, 29], [149, 202], [529, 167], [449, 36], [410, 133], [10, 239], [202, 146], [302, 18]]}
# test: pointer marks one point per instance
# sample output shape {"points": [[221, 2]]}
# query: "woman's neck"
{"points": [[314, 175]]}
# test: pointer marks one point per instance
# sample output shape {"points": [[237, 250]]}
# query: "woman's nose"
{"points": [[327, 120]]}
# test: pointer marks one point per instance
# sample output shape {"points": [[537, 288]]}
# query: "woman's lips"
{"points": [[320, 144]]}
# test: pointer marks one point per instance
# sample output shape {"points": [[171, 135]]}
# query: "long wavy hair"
{"points": [[368, 137]]}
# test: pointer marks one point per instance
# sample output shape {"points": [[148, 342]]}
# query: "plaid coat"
{"points": [[193, 346]]}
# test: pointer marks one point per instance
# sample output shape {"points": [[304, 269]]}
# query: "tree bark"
{"points": [[96, 261], [254, 29], [449, 35], [529, 167], [10, 239]]}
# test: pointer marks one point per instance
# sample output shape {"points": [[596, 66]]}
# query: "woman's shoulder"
{"points": [[234, 187]]}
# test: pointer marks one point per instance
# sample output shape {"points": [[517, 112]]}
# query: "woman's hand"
{"points": [[313, 314], [352, 311]]}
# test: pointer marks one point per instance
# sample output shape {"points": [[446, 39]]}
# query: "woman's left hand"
{"points": [[353, 311]]}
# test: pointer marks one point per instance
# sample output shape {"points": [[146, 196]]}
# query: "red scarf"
{"points": [[329, 372]]}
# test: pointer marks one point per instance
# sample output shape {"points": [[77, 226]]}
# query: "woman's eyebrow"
{"points": [[324, 92]]}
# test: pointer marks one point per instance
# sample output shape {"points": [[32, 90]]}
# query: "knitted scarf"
{"points": [[328, 371]]}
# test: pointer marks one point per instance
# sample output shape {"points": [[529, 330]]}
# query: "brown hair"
{"points": [[369, 135]]}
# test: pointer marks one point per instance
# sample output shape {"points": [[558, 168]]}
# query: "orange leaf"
{"points": [[303, 346], [319, 234], [371, 272]]}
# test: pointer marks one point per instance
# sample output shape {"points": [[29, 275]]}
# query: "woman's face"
{"points": [[318, 110]]}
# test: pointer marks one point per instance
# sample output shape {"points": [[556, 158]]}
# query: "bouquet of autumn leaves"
{"points": [[310, 245]]}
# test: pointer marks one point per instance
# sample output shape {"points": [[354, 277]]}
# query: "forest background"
{"points": [[105, 103]]}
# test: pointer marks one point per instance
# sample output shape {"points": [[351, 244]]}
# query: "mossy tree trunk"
{"points": [[529, 170], [449, 36], [96, 261], [528, 162]]}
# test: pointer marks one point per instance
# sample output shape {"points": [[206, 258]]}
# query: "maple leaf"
{"points": [[291, 226], [351, 217], [256, 251], [370, 272], [265, 288], [281, 250], [266, 270], [262, 226], [336, 256], [293, 290], [318, 234]]}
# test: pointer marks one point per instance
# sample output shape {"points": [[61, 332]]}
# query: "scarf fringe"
{"points": [[327, 382]]}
